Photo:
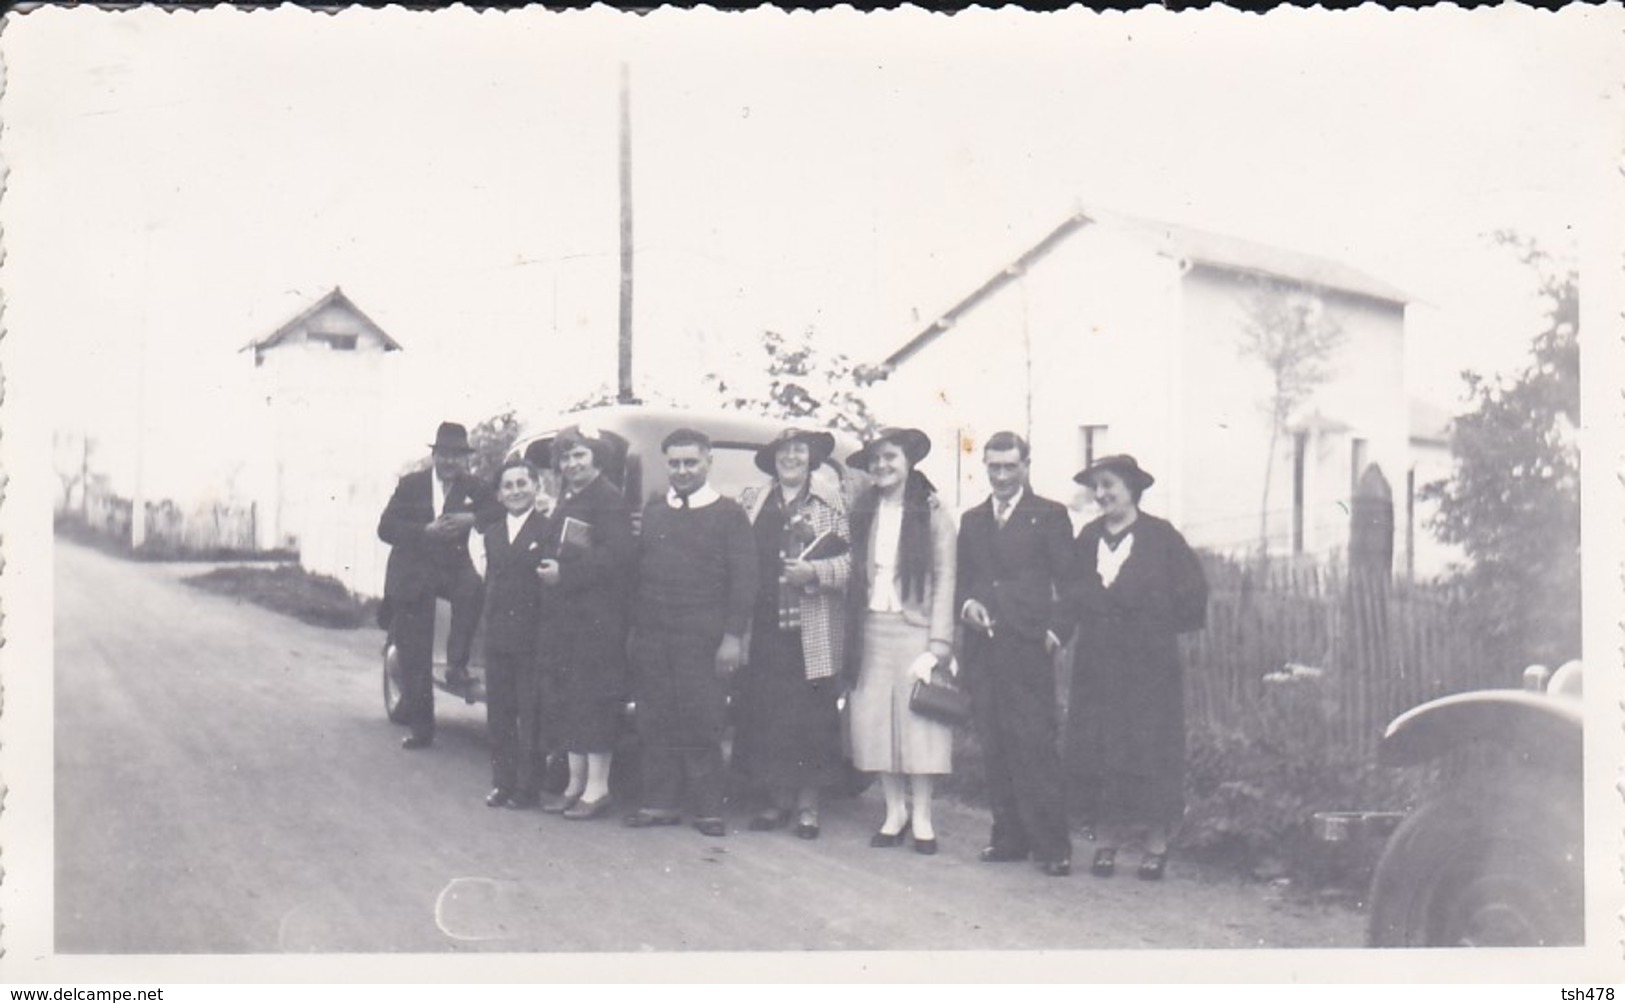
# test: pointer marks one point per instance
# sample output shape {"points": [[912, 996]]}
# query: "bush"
{"points": [[1251, 798], [313, 599]]}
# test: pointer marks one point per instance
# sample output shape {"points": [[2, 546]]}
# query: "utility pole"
{"points": [[625, 394]]}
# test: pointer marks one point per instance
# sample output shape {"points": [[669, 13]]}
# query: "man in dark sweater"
{"points": [[696, 584]]}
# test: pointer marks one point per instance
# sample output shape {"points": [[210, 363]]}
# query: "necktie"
{"points": [[1002, 512], [682, 501]]}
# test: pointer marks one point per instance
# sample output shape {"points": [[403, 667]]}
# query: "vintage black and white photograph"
{"points": [[528, 486]]}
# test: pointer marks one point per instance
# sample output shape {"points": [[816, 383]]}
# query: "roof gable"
{"points": [[334, 298], [1230, 254]]}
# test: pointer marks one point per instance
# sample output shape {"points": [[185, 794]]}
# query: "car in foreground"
{"points": [[1496, 858]]}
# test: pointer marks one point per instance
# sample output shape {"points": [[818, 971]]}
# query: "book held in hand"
{"points": [[575, 533], [827, 545]]}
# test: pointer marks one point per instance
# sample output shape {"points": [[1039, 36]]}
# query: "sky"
{"points": [[181, 184]]}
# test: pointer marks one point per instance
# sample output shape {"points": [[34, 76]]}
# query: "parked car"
{"points": [[1497, 857], [639, 470]]}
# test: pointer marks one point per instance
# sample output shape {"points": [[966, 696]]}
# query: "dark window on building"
{"points": [[336, 342], [1092, 441]]}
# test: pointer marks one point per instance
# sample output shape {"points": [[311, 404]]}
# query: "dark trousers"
{"points": [[1013, 690], [681, 711], [516, 721], [412, 628]]}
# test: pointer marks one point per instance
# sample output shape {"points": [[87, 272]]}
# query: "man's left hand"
{"points": [[729, 654], [548, 572]]}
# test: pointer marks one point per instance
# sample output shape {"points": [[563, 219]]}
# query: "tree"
{"points": [[491, 439], [1289, 332], [803, 384], [1513, 499]]}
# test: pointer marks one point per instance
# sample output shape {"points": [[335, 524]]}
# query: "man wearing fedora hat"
{"points": [[426, 525]]}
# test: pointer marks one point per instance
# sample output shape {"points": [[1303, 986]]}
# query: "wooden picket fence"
{"points": [[1306, 654]]}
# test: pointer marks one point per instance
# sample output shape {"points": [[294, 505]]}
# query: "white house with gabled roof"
{"points": [[327, 386], [1114, 334]]}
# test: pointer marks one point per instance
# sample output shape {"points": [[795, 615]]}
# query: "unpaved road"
{"points": [[226, 782]]}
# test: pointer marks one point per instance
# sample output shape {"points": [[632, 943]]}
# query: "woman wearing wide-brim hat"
{"points": [[902, 606], [1138, 586], [789, 726]]}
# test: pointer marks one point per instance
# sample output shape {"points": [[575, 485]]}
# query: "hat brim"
{"points": [[819, 447], [1135, 478], [442, 449], [915, 444]]}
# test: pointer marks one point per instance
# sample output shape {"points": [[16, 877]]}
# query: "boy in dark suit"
{"points": [[426, 525], [1014, 564], [513, 603]]}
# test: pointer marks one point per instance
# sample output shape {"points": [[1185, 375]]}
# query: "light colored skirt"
{"points": [[887, 737]]}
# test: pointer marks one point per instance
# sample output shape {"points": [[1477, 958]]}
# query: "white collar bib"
{"points": [[702, 497]]}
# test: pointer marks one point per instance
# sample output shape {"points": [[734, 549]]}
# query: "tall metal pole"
{"points": [[625, 395]]}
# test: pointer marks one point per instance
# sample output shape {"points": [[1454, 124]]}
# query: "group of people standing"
{"points": [[790, 598]]}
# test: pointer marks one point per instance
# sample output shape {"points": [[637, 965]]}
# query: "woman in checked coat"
{"points": [[790, 725]]}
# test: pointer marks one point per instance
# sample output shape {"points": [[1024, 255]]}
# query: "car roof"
{"points": [[642, 424]]}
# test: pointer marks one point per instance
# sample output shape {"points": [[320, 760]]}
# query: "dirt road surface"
{"points": [[226, 782]]}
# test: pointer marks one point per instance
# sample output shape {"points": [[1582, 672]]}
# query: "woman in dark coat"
{"points": [[585, 578], [1138, 586]]}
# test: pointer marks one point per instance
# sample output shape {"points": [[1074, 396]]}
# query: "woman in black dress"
{"points": [[1138, 587], [589, 555], [790, 725]]}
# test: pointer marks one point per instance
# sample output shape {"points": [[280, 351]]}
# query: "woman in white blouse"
{"points": [[902, 592]]}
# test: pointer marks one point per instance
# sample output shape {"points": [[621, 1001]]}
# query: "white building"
{"points": [[327, 381], [1114, 334]]}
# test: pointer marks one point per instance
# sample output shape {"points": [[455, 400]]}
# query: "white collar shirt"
{"points": [[1002, 510], [438, 492], [703, 496]]}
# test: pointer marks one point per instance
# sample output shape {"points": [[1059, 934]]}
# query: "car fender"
{"points": [[1544, 730]]}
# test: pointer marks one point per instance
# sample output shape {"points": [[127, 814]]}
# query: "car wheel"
{"points": [[1489, 864], [392, 684]]}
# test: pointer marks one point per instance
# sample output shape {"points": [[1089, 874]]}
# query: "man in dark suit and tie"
{"points": [[1014, 563], [426, 525], [514, 546]]}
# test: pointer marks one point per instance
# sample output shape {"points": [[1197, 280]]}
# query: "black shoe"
{"points": [[925, 847], [807, 824], [1152, 866], [558, 804], [458, 680], [498, 798], [884, 839], [997, 854], [523, 802], [1105, 863], [1055, 868], [415, 741], [767, 821], [583, 809], [714, 827], [643, 818]]}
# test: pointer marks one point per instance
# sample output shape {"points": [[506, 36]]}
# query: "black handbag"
{"points": [[940, 699]]}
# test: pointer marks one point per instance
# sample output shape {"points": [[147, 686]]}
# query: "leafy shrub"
{"points": [[1251, 797]]}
